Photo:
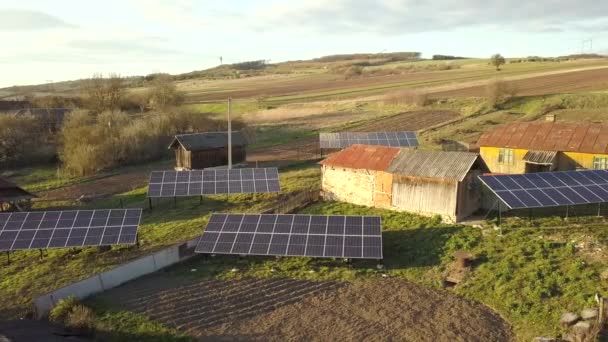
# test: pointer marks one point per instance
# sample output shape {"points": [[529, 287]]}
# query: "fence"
{"points": [[109, 279]]}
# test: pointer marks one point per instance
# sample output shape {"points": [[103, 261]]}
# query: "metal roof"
{"points": [[433, 164], [207, 140], [549, 136], [540, 157], [363, 157]]}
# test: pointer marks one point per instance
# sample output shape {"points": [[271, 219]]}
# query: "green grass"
{"points": [[274, 135], [40, 178]]}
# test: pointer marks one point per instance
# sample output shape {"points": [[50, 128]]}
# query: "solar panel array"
{"points": [[550, 189], [72, 228], [293, 235], [345, 139], [213, 182]]}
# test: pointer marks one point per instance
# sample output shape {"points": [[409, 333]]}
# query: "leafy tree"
{"points": [[497, 60]]}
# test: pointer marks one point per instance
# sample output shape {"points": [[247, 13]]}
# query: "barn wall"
{"points": [[383, 189], [216, 157], [348, 185], [425, 196], [469, 195]]}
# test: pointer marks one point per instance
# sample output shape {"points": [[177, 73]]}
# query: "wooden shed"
{"points": [[437, 182], [423, 182], [209, 149], [13, 197]]}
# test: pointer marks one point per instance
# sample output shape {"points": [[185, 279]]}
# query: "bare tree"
{"points": [[163, 93], [497, 60], [104, 93]]}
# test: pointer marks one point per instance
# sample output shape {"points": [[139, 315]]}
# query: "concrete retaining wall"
{"points": [[109, 279]]}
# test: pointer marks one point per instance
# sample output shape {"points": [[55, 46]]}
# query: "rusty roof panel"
{"points": [[363, 157], [549, 136]]}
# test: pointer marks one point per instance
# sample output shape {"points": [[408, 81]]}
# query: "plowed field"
{"points": [[587, 80], [298, 310]]}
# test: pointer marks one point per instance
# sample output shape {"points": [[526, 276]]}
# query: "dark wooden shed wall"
{"points": [[208, 158]]}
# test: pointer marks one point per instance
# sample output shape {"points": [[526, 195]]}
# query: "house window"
{"points": [[505, 156], [600, 163]]}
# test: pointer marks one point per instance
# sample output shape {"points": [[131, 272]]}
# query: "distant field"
{"points": [[578, 81], [283, 89]]}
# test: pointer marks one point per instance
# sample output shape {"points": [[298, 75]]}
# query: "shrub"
{"points": [[61, 311], [353, 71], [419, 98], [81, 318], [92, 144], [499, 91], [24, 140]]}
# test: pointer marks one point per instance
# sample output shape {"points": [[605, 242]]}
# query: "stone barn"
{"points": [[418, 181], [13, 197], [210, 149]]}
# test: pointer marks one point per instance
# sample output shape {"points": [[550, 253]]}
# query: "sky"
{"points": [[61, 40]]}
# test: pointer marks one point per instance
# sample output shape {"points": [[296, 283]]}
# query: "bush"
{"points": [[63, 308], [499, 91], [24, 139], [92, 144], [81, 318], [419, 98], [353, 71]]}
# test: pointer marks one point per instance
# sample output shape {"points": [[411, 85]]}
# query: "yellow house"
{"points": [[526, 147]]}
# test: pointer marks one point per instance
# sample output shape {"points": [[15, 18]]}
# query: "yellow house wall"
{"points": [[565, 161], [490, 157], [577, 160]]}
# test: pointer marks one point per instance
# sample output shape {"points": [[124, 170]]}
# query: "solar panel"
{"points": [[345, 139], [72, 228], [213, 182], [550, 189], [293, 235]]}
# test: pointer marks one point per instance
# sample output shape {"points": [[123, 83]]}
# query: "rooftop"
{"points": [[207, 140], [9, 191], [366, 157], [549, 136], [433, 164]]}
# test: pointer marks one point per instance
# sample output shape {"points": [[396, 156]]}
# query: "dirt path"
{"points": [[297, 310], [100, 187]]}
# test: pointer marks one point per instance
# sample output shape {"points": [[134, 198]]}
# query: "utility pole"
{"points": [[229, 134]]}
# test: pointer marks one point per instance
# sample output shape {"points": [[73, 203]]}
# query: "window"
{"points": [[600, 163], [505, 156]]}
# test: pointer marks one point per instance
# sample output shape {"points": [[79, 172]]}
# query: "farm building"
{"points": [[424, 182], [526, 147], [210, 149], [12, 196]]}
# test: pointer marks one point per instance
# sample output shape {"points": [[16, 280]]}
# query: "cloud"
{"points": [[29, 20], [396, 17], [123, 46]]}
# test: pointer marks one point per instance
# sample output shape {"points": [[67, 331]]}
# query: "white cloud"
{"points": [[29, 20]]}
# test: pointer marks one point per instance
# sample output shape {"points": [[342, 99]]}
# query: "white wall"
{"points": [[116, 276]]}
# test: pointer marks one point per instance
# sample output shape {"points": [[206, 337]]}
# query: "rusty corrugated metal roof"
{"points": [[540, 157], [549, 136], [363, 157], [433, 164]]}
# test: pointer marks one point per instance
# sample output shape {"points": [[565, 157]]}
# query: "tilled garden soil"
{"points": [[299, 310]]}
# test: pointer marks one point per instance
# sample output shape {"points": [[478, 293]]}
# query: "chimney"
{"points": [[550, 117]]}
